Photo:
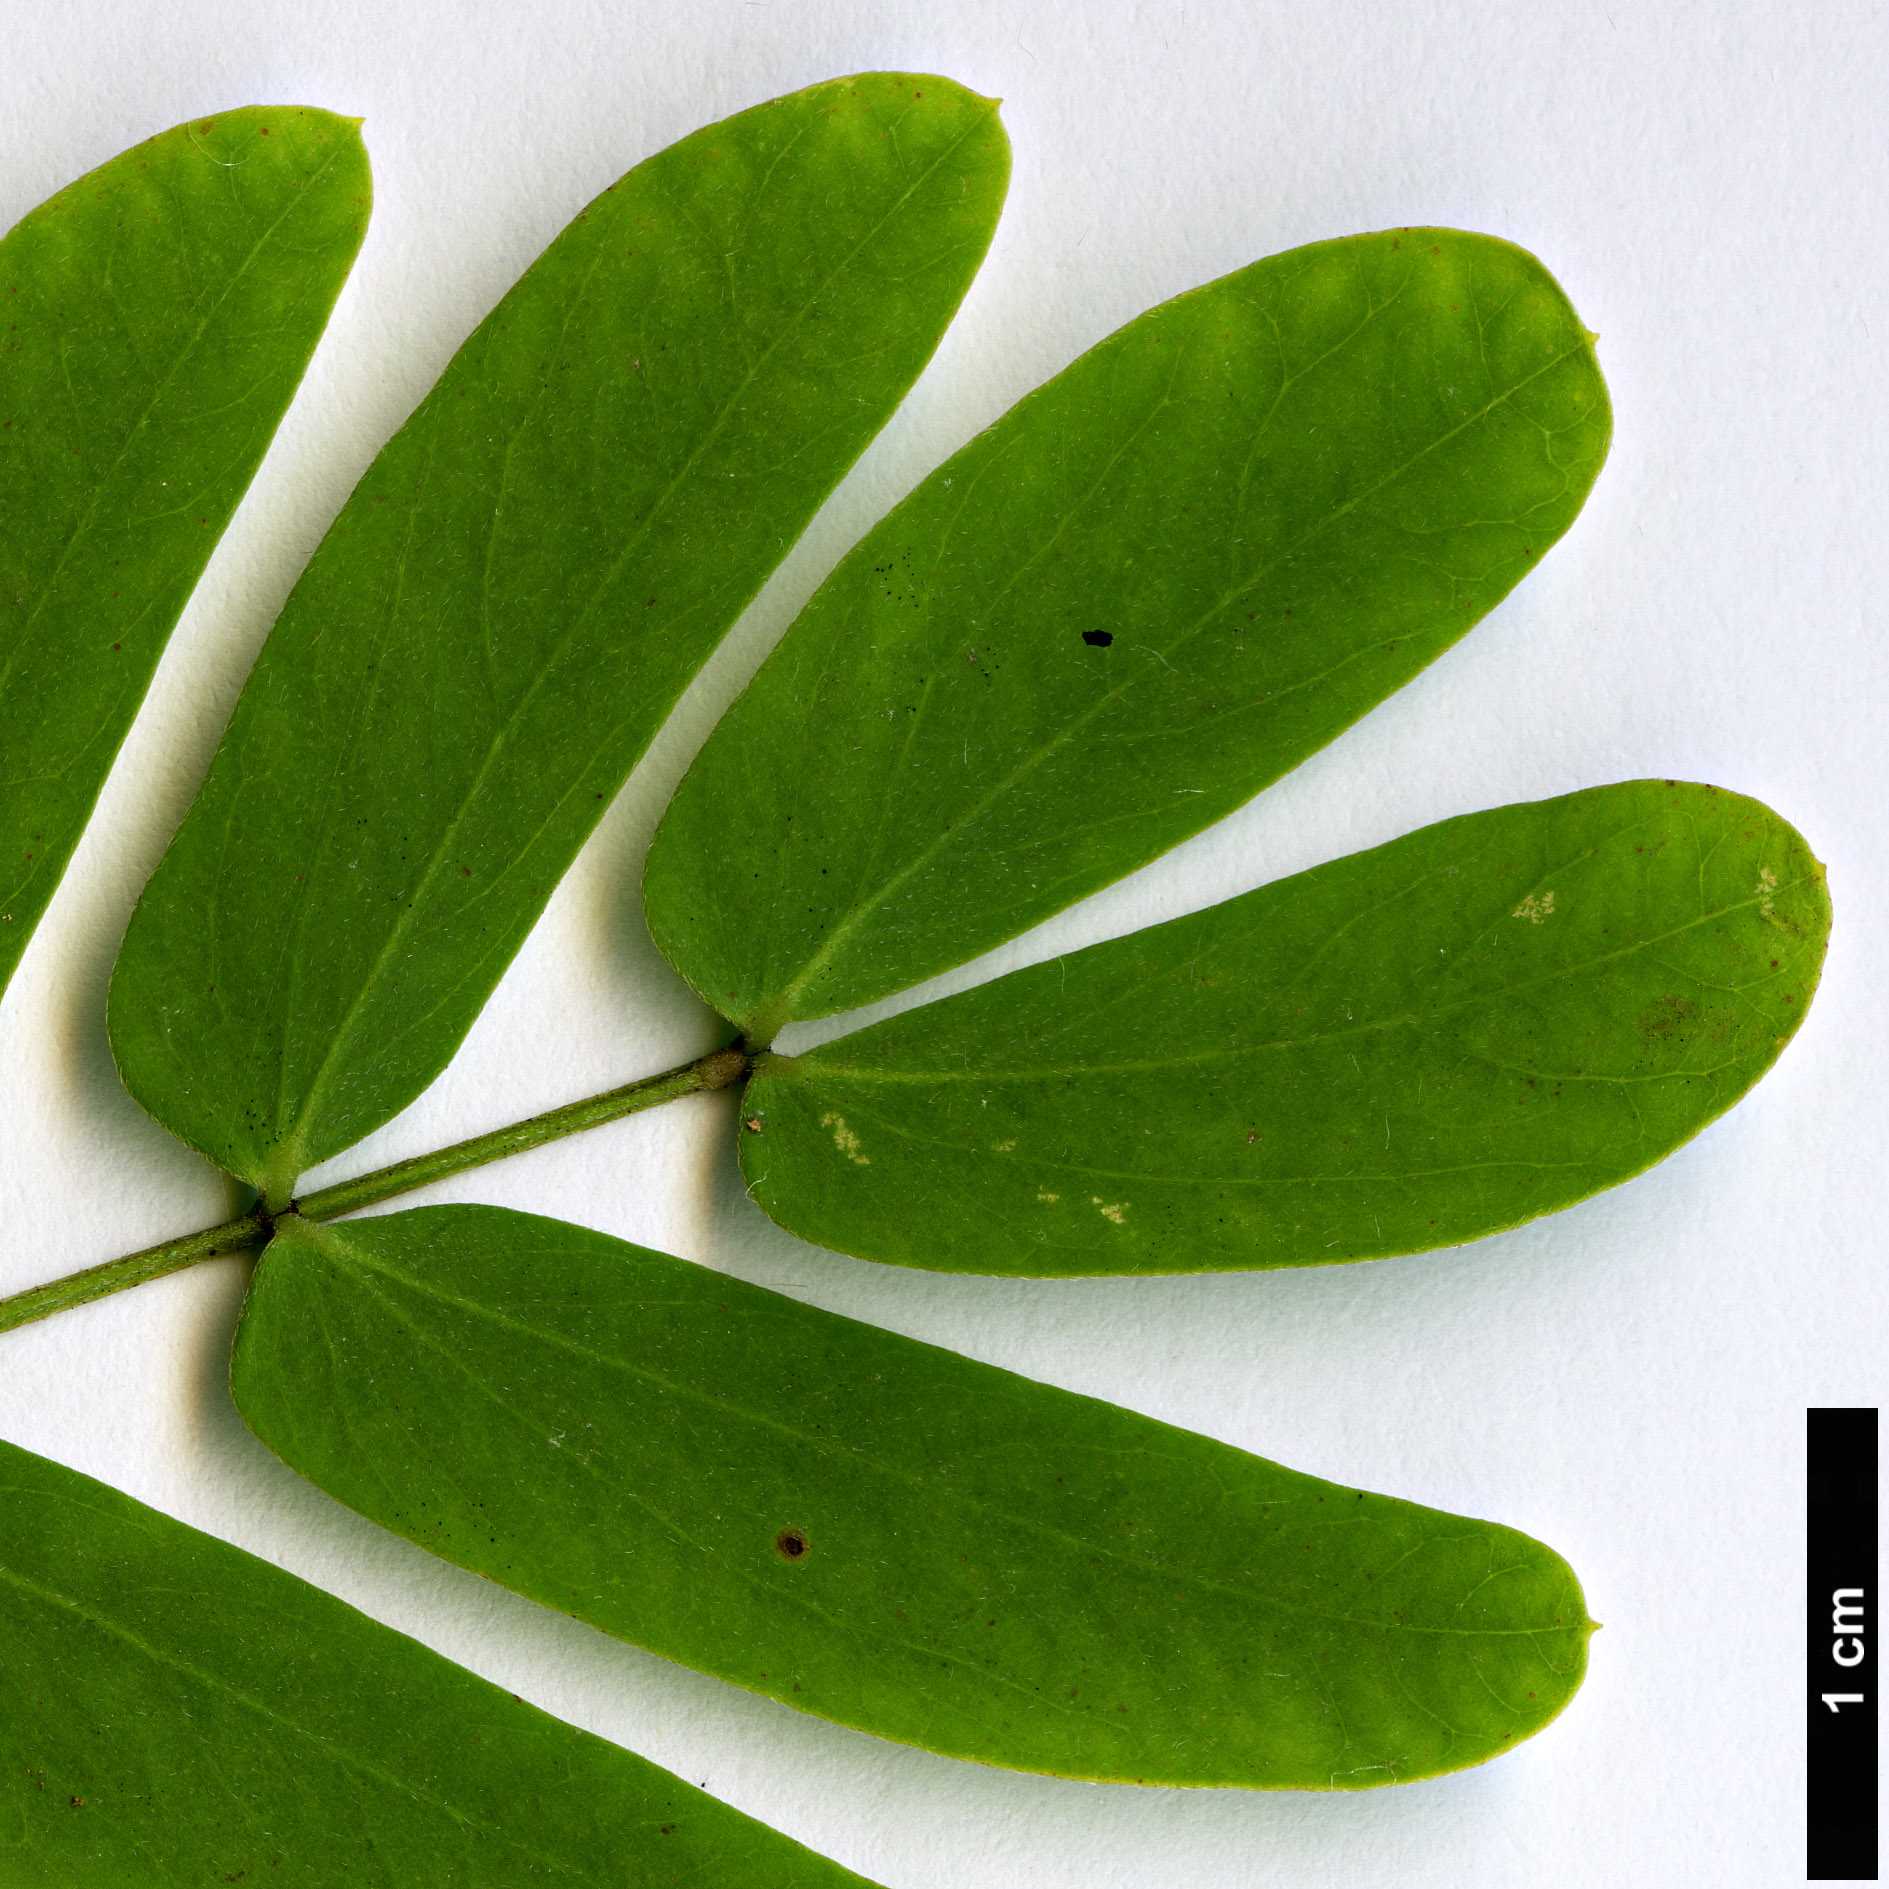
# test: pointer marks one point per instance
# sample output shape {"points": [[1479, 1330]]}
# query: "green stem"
{"points": [[97, 1282], [719, 1070], [716, 1071]]}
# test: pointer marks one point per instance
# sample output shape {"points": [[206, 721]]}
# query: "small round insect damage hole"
{"points": [[791, 1544]]}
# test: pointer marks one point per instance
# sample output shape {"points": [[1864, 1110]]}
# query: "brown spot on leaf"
{"points": [[1663, 1020]]}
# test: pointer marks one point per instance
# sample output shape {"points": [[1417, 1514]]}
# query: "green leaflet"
{"points": [[884, 1533], [174, 1710], [1156, 585], [517, 592], [1483, 1021], [155, 318]]}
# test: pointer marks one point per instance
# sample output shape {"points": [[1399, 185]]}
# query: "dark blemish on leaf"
{"points": [[1097, 639], [790, 1544], [1661, 1021]]}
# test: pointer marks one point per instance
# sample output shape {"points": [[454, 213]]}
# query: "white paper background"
{"points": [[1626, 1380]]}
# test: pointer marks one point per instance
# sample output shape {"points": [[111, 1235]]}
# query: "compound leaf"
{"points": [[518, 591], [1161, 581], [155, 319], [884, 1533], [172, 1709], [1486, 1020]]}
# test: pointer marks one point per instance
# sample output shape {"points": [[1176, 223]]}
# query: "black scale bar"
{"points": [[1842, 1625]]}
